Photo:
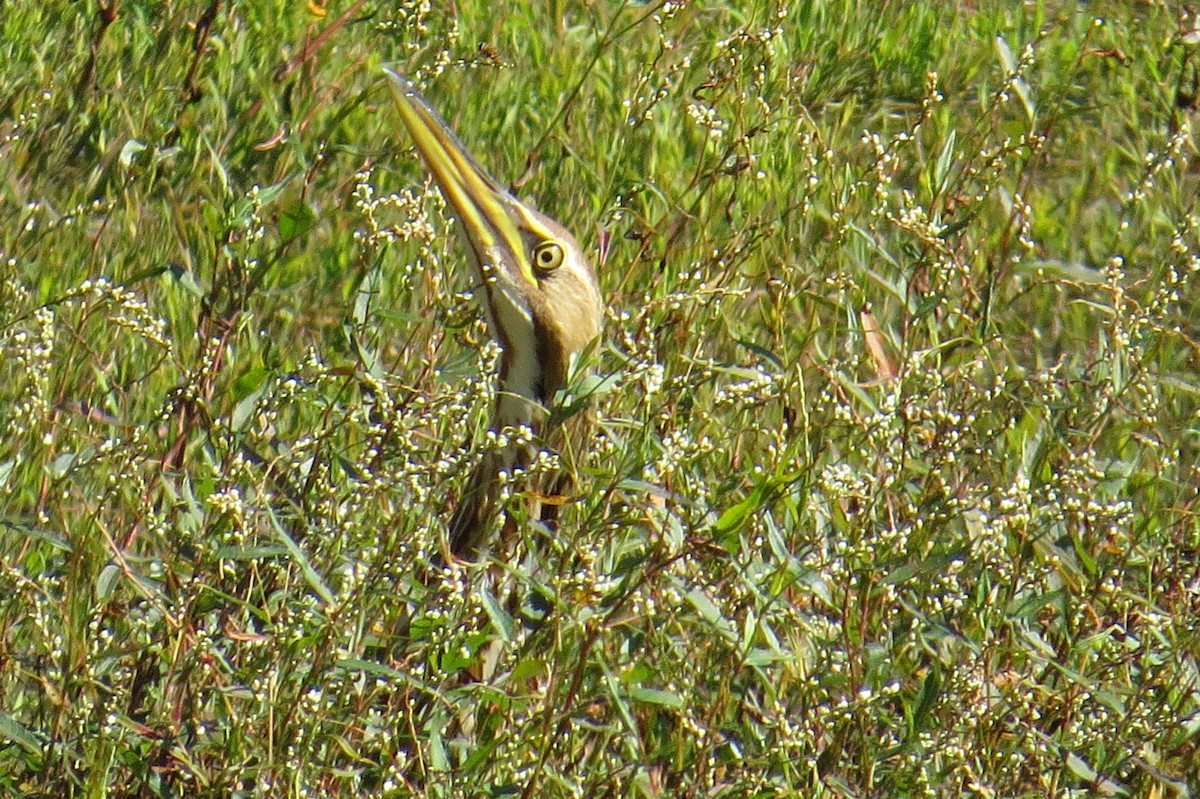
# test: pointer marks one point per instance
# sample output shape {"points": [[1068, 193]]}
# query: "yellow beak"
{"points": [[487, 212]]}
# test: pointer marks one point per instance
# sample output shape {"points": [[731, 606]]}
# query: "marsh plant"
{"points": [[894, 485]]}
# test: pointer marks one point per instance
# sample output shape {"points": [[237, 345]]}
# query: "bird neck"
{"points": [[519, 398]]}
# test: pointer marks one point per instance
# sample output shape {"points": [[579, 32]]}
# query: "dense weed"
{"points": [[894, 487]]}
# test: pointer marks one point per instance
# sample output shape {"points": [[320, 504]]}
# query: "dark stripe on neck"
{"points": [[552, 370]]}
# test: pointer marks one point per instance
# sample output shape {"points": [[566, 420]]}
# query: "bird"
{"points": [[543, 306]]}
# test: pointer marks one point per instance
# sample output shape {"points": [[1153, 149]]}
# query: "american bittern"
{"points": [[543, 306]]}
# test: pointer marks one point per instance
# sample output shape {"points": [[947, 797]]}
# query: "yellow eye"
{"points": [[547, 256]]}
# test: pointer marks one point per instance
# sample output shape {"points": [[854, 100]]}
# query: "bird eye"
{"points": [[547, 255]]}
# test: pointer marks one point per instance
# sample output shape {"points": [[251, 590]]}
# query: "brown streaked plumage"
{"points": [[543, 306]]}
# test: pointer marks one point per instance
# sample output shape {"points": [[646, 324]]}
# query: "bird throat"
{"points": [[528, 380]]}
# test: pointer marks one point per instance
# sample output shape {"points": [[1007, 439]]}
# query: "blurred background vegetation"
{"points": [[894, 492]]}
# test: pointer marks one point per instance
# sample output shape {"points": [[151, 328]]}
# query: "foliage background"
{"points": [[895, 487]]}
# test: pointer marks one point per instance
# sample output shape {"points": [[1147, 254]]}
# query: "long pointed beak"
{"points": [[487, 212]]}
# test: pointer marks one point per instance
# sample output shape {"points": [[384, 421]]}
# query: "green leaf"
{"points": [[315, 581], [62, 464], [246, 391], [439, 760], [267, 195], [376, 669], [251, 552], [1020, 85], [250, 381], [107, 582], [185, 279], [14, 731], [945, 163], [130, 152], [655, 696], [761, 656], [931, 688], [53, 539], [454, 660], [711, 613], [761, 352], [500, 617], [480, 756], [296, 221], [1027, 606], [735, 516]]}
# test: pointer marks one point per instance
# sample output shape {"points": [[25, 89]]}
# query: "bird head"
{"points": [[540, 293]]}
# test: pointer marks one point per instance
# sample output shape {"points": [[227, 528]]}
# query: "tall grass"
{"points": [[895, 486]]}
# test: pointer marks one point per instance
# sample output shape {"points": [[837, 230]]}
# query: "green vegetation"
{"points": [[895, 488]]}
